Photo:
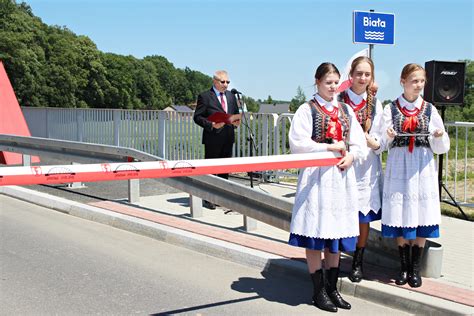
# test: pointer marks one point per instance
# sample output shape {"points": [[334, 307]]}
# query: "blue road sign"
{"points": [[374, 28]]}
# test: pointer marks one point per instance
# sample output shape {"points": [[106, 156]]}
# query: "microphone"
{"points": [[239, 103]]}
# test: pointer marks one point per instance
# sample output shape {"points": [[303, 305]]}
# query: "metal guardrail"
{"points": [[253, 204], [68, 149]]}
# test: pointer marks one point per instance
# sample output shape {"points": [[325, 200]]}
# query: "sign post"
{"points": [[373, 28]]}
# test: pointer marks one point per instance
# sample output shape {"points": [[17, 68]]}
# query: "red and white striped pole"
{"points": [[159, 169]]}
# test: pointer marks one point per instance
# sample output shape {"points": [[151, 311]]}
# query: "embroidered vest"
{"points": [[321, 121], [423, 123], [363, 113]]}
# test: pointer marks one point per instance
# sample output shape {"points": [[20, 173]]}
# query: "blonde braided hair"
{"points": [[370, 109]]}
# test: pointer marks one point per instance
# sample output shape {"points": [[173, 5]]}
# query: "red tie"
{"points": [[224, 107]]}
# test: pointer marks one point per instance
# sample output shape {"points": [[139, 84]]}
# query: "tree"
{"points": [[21, 41], [252, 105], [299, 99], [198, 82], [269, 100], [52, 66]]}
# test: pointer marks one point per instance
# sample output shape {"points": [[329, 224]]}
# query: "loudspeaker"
{"points": [[444, 82]]}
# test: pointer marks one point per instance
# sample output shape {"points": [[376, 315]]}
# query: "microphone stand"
{"points": [[250, 137]]}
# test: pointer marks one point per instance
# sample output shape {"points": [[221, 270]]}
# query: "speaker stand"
{"points": [[440, 178]]}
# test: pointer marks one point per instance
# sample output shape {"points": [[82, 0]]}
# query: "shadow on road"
{"points": [[275, 286], [204, 306]]}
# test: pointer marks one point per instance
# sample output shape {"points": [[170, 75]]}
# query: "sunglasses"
{"points": [[223, 81]]}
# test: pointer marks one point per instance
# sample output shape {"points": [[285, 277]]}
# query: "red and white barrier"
{"points": [[159, 169]]}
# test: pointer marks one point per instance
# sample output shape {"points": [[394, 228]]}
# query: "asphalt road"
{"points": [[53, 263]]}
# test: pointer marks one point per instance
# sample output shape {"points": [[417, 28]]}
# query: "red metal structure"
{"points": [[12, 120]]}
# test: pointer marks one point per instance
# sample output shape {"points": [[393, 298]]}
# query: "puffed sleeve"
{"points": [[386, 123], [376, 130], [439, 145], [301, 130], [357, 142]]}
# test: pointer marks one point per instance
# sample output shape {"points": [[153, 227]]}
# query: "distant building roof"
{"points": [[274, 108], [182, 108], [168, 108]]}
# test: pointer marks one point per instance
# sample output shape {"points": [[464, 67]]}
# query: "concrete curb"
{"points": [[391, 296]]}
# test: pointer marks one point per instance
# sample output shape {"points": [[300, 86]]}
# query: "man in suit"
{"points": [[218, 138]]}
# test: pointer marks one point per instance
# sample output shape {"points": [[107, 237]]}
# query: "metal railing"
{"points": [[458, 167], [168, 134], [281, 144], [174, 136], [67, 150]]}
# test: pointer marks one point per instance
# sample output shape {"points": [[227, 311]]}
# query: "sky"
{"points": [[268, 47]]}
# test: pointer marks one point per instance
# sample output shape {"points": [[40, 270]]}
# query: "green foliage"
{"points": [[52, 66], [269, 100], [299, 99], [252, 105]]}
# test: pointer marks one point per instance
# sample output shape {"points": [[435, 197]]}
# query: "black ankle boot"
{"points": [[331, 289], [320, 297], [404, 253], [414, 277], [357, 271]]}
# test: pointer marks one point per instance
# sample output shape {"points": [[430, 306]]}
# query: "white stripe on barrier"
{"points": [[159, 169]]}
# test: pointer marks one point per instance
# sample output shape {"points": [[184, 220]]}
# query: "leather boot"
{"points": [[357, 271], [320, 298], [331, 289], [404, 253], [414, 277]]}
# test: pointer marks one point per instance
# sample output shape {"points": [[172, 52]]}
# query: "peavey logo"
{"points": [[449, 73]]}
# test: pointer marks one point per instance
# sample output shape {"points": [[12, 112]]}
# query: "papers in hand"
{"points": [[220, 117]]}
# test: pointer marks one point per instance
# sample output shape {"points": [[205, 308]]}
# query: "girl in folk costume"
{"points": [[413, 130], [368, 171], [324, 215]]}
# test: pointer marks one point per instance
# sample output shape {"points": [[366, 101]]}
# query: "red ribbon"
{"points": [[355, 107], [334, 130], [410, 124]]}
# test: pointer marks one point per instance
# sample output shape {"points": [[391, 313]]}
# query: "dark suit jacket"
{"points": [[207, 104]]}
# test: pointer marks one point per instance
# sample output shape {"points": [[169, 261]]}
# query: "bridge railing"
{"points": [[458, 165], [169, 134], [174, 135]]}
